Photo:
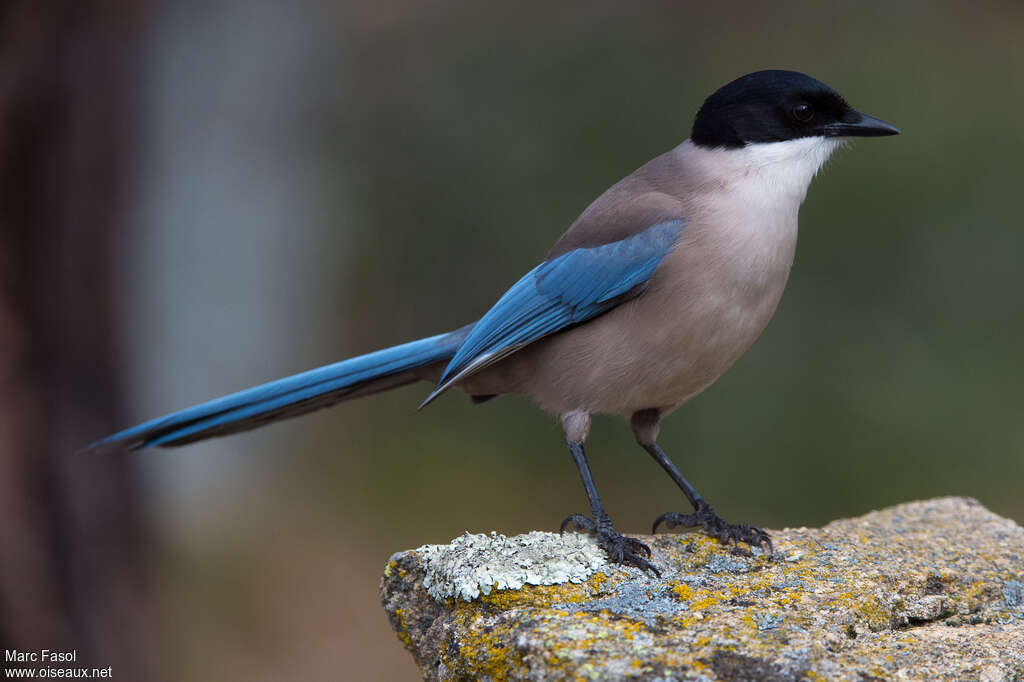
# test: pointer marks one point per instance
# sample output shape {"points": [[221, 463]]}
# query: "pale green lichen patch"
{"points": [[899, 593], [475, 564]]}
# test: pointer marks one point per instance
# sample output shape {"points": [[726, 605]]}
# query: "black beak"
{"points": [[856, 124]]}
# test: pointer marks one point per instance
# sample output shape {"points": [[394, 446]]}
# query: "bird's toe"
{"points": [[621, 549], [578, 522], [714, 526]]}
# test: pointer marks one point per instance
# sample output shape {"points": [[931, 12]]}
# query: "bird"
{"points": [[652, 293]]}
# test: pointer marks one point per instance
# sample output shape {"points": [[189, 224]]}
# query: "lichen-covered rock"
{"points": [[923, 590]]}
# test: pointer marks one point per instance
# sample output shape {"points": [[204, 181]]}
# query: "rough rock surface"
{"points": [[923, 590]]}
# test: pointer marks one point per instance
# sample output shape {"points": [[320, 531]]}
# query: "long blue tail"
{"points": [[291, 396]]}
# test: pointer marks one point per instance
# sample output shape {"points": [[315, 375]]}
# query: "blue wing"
{"points": [[572, 288]]}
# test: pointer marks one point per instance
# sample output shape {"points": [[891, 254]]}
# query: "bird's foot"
{"points": [[713, 525], [620, 548]]}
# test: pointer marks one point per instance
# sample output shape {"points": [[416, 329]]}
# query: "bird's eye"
{"points": [[803, 112]]}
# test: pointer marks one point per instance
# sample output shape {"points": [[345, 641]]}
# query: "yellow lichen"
{"points": [[874, 614], [682, 591], [482, 653], [701, 604], [403, 631], [748, 619]]}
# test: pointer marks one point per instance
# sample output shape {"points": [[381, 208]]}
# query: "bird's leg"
{"points": [[620, 549], [645, 427]]}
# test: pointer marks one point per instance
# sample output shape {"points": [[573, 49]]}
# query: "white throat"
{"points": [[768, 173], [786, 168]]}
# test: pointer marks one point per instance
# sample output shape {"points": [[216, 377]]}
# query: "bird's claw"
{"points": [[713, 525], [579, 522], [621, 549]]}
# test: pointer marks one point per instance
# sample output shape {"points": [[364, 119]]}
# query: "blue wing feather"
{"points": [[572, 288]]}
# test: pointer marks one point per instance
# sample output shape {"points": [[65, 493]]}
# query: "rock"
{"points": [[929, 589]]}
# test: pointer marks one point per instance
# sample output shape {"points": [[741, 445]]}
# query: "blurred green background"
{"points": [[318, 180]]}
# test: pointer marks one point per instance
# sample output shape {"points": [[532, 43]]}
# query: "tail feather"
{"points": [[291, 396]]}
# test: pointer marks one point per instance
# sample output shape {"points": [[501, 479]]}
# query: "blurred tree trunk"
{"points": [[72, 569]]}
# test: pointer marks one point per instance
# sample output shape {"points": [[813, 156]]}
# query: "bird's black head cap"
{"points": [[774, 106]]}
